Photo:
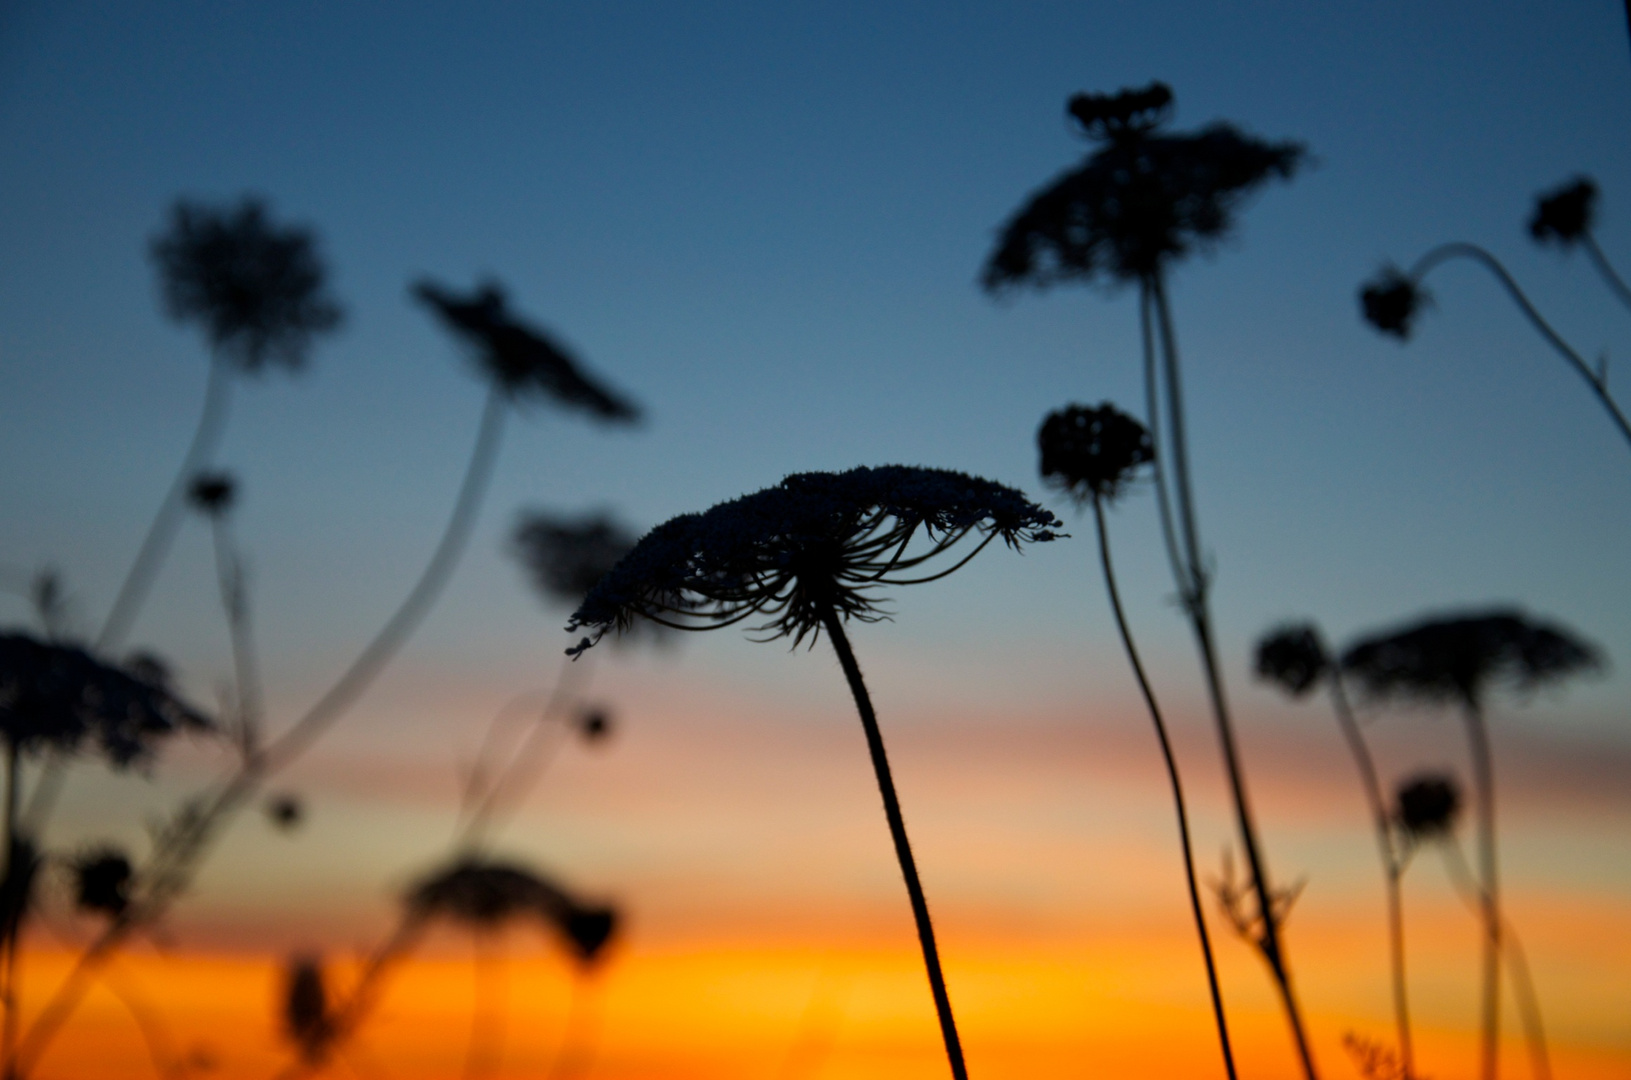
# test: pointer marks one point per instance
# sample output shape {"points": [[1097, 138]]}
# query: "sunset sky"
{"points": [[765, 223]]}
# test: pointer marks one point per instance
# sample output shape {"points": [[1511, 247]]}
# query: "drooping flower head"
{"points": [[1427, 805], [102, 880], [1293, 657], [57, 696], [814, 542], [1456, 658], [1140, 201], [257, 289], [484, 894], [1092, 453], [1563, 215], [212, 493], [522, 359], [1391, 300], [567, 556]]}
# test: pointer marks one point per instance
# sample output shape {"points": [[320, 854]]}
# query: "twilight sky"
{"points": [[765, 223]]}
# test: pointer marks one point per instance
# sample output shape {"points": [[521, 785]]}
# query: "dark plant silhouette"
{"points": [[102, 881], [565, 557], [307, 1021], [1457, 660], [1093, 454], [1391, 301], [285, 811], [1142, 201], [1294, 658], [259, 294], [1427, 806], [808, 555]]}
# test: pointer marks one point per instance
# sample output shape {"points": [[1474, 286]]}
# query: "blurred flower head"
{"points": [[567, 556], [285, 811], [1427, 805], [1390, 301], [212, 493], [593, 723], [519, 358], [306, 1019], [1563, 215], [484, 894], [102, 880], [814, 542], [257, 289], [57, 696], [1092, 453], [588, 930], [1293, 657], [1140, 201], [1458, 657]]}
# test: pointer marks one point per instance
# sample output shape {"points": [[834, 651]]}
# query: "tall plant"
{"points": [[1143, 201]]}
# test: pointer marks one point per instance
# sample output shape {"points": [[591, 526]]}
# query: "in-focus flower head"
{"points": [[815, 540], [1390, 301], [1455, 658], [257, 289], [1427, 805], [1293, 657], [212, 493], [1092, 452], [56, 696], [522, 359], [567, 556], [1140, 201], [102, 880], [1564, 215]]}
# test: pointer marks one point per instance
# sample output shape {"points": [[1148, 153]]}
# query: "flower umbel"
{"points": [[1293, 658], [813, 541], [567, 556], [1390, 301], [257, 289], [1564, 215], [1427, 806], [212, 493], [1092, 453]]}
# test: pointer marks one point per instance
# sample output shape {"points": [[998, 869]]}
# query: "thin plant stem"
{"points": [[156, 545], [1483, 773], [1517, 963], [577, 1034], [182, 847], [486, 1048], [1152, 407], [1616, 284], [1598, 384], [234, 589], [897, 832], [15, 882], [1194, 583], [1392, 869], [1173, 778]]}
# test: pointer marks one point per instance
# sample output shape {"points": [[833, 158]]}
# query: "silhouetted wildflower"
{"points": [[522, 359], [102, 880], [1390, 302], [57, 695], [258, 290], [1427, 806], [1092, 453], [594, 723], [151, 669], [17, 886], [588, 929], [212, 493], [814, 540], [1140, 200], [1293, 658], [306, 1018], [285, 811], [567, 556], [1454, 658], [1564, 215], [484, 894]]}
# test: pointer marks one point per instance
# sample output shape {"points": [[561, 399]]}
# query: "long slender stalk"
{"points": [[1177, 786], [1392, 871], [1459, 250], [577, 1034], [1193, 582], [897, 832], [1517, 963], [156, 545], [234, 589], [1616, 284], [181, 848], [1483, 773], [15, 880]]}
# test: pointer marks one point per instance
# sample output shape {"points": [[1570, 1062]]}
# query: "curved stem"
{"points": [[1478, 255], [1391, 868], [897, 832], [156, 545], [1177, 786], [1152, 409], [181, 848], [234, 589], [1483, 773], [1200, 621], [1616, 283], [16, 901]]}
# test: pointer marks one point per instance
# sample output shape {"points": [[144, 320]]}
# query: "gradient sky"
{"points": [[765, 223]]}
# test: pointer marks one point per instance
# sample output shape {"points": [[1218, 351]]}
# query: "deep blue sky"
{"points": [[765, 222]]}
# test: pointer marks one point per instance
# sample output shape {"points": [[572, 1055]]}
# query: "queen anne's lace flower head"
{"points": [[1391, 300], [483, 893], [1092, 452], [1564, 215], [1427, 806], [813, 543], [1292, 657]]}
